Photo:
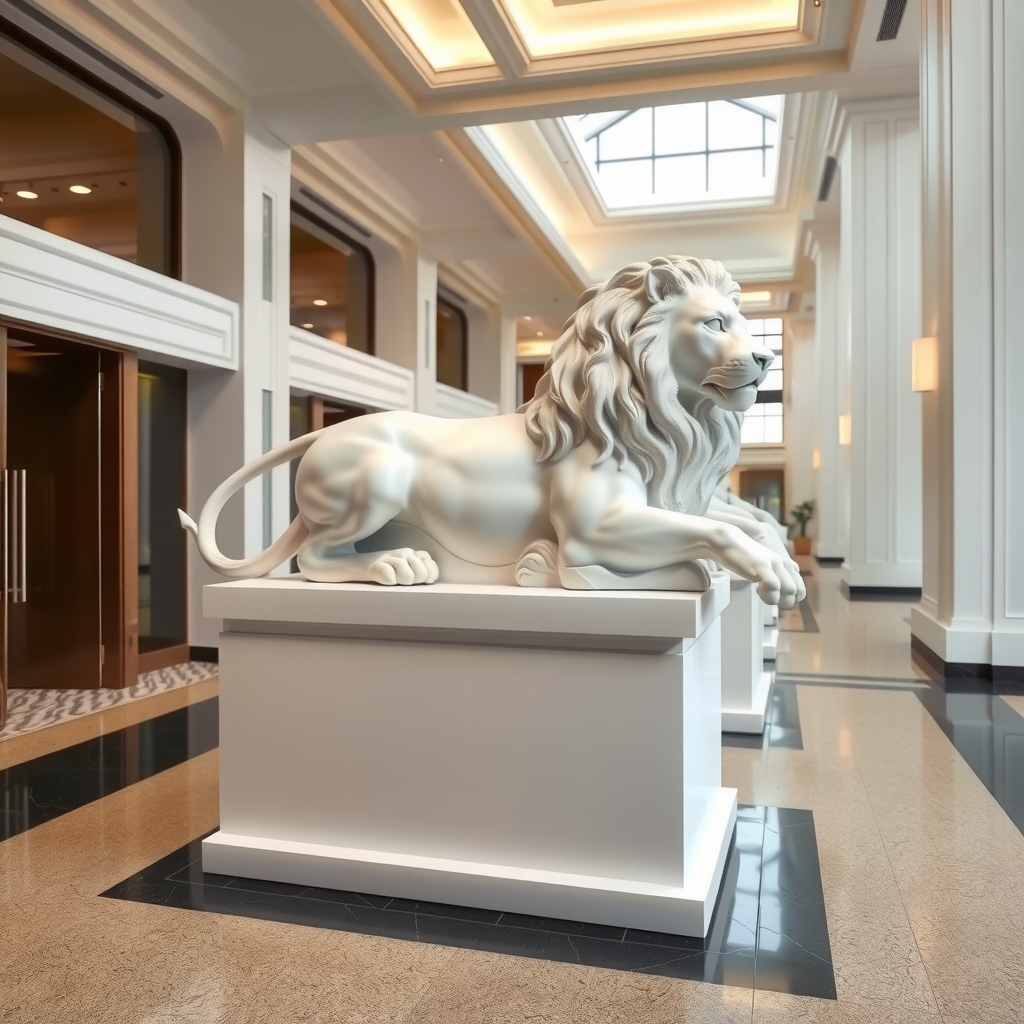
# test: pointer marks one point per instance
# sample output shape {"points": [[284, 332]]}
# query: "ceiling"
{"points": [[461, 147]]}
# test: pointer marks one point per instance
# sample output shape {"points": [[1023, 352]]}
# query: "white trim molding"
{"points": [[49, 282], [326, 368], [456, 404]]}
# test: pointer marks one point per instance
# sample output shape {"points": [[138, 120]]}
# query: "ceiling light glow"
{"points": [[308, 327], [27, 194], [561, 29], [319, 302], [442, 32], [80, 190], [755, 298]]}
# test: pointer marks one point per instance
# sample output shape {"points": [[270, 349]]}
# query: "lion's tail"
{"points": [[206, 532]]}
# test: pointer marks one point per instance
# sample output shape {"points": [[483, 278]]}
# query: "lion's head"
{"points": [[654, 366]]}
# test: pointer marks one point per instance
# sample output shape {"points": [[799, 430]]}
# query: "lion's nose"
{"points": [[763, 359]]}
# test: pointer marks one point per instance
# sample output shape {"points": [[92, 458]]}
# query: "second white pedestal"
{"points": [[548, 752], [745, 683]]}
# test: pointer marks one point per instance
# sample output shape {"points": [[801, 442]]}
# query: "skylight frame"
{"points": [[586, 169]]}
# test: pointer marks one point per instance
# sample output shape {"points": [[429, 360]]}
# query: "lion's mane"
{"points": [[609, 380]]}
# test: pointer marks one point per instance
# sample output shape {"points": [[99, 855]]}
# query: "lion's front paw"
{"points": [[403, 567]]}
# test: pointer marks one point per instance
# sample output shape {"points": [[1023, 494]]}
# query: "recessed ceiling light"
{"points": [[527, 317], [26, 194], [80, 190], [319, 302], [755, 297], [308, 327], [540, 334]]}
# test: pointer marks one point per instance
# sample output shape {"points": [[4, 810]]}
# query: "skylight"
{"points": [[685, 153]]}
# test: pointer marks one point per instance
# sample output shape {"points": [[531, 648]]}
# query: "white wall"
{"points": [[880, 286], [801, 414]]}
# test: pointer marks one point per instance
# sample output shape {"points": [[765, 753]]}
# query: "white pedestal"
{"points": [[548, 752], [745, 683], [771, 632], [771, 614]]}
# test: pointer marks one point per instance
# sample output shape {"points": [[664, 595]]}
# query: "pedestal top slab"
{"points": [[601, 613]]}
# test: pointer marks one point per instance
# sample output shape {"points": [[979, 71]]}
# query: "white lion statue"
{"points": [[604, 480]]}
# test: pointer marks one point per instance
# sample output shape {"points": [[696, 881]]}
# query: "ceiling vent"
{"points": [[892, 18]]}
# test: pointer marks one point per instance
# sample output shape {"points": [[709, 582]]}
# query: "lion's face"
{"points": [[712, 354]]}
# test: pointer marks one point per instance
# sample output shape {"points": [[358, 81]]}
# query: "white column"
{"points": [[801, 412], [972, 109], [880, 280], [831, 480], [407, 319], [492, 356], [225, 185]]}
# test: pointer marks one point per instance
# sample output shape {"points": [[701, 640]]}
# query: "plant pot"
{"points": [[802, 545]]}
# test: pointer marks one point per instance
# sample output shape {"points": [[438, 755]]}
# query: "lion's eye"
{"points": [[714, 324]]}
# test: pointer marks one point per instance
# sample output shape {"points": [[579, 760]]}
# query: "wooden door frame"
{"points": [[119, 491], [3, 526]]}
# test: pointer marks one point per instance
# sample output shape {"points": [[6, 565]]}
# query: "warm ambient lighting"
{"points": [[924, 365], [442, 32], [755, 298], [80, 190], [308, 327], [557, 29], [319, 302], [816, 459], [26, 194], [845, 429]]}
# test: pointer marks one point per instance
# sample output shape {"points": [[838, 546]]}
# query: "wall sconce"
{"points": [[816, 459], [924, 364], [845, 429]]}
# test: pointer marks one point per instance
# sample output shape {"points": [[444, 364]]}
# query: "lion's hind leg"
{"points": [[348, 496]]}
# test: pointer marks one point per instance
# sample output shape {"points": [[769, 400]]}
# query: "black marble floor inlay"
{"points": [[46, 787], [781, 725], [769, 928], [989, 734]]}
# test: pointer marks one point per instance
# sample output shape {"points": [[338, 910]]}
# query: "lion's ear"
{"points": [[661, 282]]}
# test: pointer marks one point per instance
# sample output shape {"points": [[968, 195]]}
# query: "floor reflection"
{"points": [[782, 722]]}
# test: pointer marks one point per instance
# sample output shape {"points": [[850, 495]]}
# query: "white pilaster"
{"points": [[801, 389], [972, 107], [225, 181], [880, 285], [831, 477]]}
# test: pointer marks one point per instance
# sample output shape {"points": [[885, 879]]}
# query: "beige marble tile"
{"points": [[489, 988], [615, 997], [781, 1008]]}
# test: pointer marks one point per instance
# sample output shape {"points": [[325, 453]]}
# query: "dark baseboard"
{"points": [[829, 561], [205, 654], [880, 593], [965, 676]]}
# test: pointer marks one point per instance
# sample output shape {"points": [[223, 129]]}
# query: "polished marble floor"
{"points": [[914, 793]]}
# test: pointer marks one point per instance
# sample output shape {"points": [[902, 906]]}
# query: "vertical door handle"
{"points": [[24, 535]]}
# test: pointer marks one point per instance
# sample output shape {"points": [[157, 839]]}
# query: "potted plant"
{"points": [[799, 518]]}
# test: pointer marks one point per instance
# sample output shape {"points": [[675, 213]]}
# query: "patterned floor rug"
{"points": [[29, 710]]}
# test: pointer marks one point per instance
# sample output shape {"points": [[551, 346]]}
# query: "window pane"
{"points": [[773, 381], [739, 174], [773, 325], [680, 179], [773, 430], [679, 128], [630, 137], [451, 345], [756, 327], [79, 166], [626, 184], [331, 294], [752, 431], [730, 125]]}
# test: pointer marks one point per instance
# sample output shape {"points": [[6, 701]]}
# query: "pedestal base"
{"points": [[750, 720], [546, 752], [745, 683], [770, 644]]}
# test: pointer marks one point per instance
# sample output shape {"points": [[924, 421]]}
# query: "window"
{"points": [[79, 160], [763, 421], [332, 283], [684, 153], [452, 345]]}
